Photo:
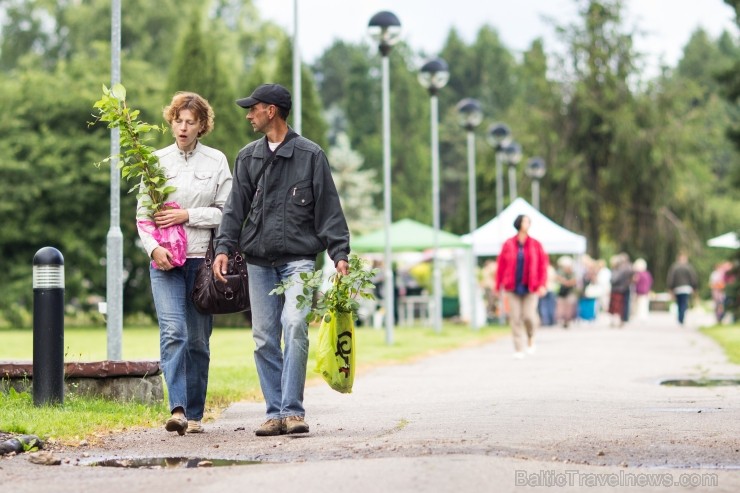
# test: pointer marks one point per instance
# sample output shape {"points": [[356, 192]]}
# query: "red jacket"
{"points": [[535, 265]]}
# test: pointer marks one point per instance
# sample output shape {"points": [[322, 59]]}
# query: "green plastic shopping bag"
{"points": [[335, 356]]}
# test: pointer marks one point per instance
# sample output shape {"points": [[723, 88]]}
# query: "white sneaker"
{"points": [[531, 349], [519, 355]]}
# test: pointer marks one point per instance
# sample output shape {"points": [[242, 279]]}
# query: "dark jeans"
{"points": [[626, 307], [682, 300]]}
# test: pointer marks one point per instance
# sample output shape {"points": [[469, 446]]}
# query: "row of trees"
{"points": [[642, 166]]}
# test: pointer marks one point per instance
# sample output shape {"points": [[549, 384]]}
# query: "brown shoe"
{"points": [[271, 427], [295, 424], [194, 426], [178, 423]]}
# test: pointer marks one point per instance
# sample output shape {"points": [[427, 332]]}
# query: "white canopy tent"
{"points": [[488, 239], [727, 240]]}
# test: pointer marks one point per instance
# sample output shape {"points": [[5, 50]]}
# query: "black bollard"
{"points": [[48, 327]]}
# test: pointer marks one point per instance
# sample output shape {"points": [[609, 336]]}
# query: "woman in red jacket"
{"points": [[522, 273]]}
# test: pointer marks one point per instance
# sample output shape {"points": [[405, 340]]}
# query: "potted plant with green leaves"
{"points": [[138, 162]]}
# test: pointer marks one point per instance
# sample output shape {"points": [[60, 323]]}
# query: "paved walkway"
{"points": [[585, 413]]}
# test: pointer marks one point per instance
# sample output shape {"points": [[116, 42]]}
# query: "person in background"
{"points": [[521, 271], [567, 297], [717, 284], [682, 282], [202, 179], [621, 285], [591, 291], [488, 283], [604, 281], [283, 211], [643, 282], [548, 303]]}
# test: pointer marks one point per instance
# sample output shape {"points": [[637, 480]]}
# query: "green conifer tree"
{"points": [[197, 67]]}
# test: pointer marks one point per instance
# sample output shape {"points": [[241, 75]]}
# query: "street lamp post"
{"points": [[498, 137], [297, 82], [114, 239], [433, 76], [471, 115], [385, 29], [536, 170], [512, 155]]}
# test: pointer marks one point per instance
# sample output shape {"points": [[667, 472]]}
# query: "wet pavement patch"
{"points": [[170, 462], [701, 382]]}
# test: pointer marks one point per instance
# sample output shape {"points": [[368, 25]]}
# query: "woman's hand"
{"points": [[171, 217], [162, 258]]}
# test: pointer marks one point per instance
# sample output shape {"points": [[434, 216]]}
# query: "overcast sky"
{"points": [[668, 24]]}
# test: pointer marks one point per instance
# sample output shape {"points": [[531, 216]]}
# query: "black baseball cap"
{"points": [[269, 94]]}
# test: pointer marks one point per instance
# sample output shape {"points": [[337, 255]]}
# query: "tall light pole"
{"points": [[512, 155], [471, 115], [114, 239], [536, 170], [433, 76], [385, 29], [297, 86], [498, 137]]}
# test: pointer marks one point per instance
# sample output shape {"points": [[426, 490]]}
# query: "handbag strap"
{"points": [[291, 135], [209, 252], [238, 258]]}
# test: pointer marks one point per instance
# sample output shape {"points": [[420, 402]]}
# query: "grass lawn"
{"points": [[728, 336], [232, 375]]}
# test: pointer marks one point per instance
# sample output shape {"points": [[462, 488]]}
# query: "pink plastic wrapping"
{"points": [[172, 238]]}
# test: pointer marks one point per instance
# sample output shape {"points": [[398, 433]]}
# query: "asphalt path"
{"points": [[586, 412]]}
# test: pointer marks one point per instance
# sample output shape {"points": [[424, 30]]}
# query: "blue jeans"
{"points": [[546, 307], [282, 372], [184, 335], [682, 301]]}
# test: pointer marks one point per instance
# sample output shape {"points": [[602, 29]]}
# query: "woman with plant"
{"points": [[198, 180]]}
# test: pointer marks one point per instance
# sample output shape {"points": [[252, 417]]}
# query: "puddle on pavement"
{"points": [[171, 462], [701, 382]]}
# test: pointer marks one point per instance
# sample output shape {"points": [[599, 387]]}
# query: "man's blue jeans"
{"points": [[282, 371], [184, 335]]}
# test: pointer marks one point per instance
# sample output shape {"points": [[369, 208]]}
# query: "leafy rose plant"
{"points": [[137, 161], [342, 295]]}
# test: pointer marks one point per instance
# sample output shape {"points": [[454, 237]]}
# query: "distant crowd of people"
{"points": [[618, 287]]}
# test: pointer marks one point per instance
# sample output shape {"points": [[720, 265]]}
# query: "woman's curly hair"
{"points": [[194, 102]]}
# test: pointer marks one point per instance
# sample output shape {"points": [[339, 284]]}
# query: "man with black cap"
{"points": [[282, 212]]}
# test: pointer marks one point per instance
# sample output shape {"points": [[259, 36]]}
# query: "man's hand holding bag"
{"points": [[222, 284]]}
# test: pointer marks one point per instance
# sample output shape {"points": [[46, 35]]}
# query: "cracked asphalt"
{"points": [[586, 412]]}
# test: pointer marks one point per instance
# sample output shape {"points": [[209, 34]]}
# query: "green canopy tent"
{"points": [[407, 235]]}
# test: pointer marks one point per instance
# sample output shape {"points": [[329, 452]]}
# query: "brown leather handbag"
{"points": [[215, 297]]}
